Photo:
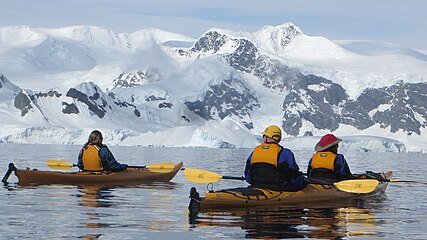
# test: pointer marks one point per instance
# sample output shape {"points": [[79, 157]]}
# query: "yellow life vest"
{"points": [[266, 153], [323, 160], [91, 159]]}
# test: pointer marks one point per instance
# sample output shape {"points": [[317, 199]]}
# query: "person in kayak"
{"points": [[272, 166], [326, 163], [95, 156]]}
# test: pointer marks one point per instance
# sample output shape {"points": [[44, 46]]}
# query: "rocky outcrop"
{"points": [[134, 79], [229, 98], [23, 103]]}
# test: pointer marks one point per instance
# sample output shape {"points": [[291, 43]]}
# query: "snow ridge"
{"points": [[153, 87]]}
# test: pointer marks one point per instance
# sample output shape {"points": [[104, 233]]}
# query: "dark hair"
{"points": [[268, 139], [333, 149]]}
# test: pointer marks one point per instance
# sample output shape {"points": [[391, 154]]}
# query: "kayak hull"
{"points": [[130, 175], [252, 197]]}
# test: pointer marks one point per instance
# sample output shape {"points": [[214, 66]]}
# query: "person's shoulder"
{"points": [[286, 150], [103, 148]]}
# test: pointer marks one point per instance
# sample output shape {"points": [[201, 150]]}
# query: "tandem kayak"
{"points": [[130, 175], [252, 197]]}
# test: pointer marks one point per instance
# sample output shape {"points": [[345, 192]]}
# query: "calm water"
{"points": [[160, 210]]}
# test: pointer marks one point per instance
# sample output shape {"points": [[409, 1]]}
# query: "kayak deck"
{"points": [[131, 175], [250, 197]]}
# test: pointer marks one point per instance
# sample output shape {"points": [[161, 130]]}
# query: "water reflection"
{"points": [[92, 197], [95, 196], [336, 220], [10, 186], [91, 236], [102, 205]]}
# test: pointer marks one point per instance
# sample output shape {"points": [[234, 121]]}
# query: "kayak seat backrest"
{"points": [[100, 173], [373, 175], [323, 173]]}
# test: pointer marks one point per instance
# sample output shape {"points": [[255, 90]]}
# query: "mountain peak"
{"points": [[90, 35], [7, 88], [278, 37], [288, 28], [158, 35], [223, 31], [19, 35]]}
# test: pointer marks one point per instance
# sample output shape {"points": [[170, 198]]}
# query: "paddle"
{"points": [[404, 181], [155, 167], [365, 185], [352, 186], [204, 176], [357, 185]]}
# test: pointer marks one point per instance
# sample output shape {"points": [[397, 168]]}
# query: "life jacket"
{"points": [[264, 161], [323, 165], [91, 159]]}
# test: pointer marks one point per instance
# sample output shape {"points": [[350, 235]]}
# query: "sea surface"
{"points": [[159, 210]]}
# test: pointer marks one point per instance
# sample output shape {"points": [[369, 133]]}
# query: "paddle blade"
{"points": [[357, 185], [162, 167], [201, 176], [59, 164]]}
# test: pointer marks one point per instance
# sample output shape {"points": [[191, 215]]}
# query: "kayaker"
{"points": [[95, 156], [272, 166], [326, 163]]}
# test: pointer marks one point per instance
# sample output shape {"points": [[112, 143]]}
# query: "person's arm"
{"points": [[309, 168], [247, 169], [342, 167], [80, 160], [109, 162], [288, 168]]}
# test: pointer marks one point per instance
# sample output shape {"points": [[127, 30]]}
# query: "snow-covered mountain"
{"points": [[221, 90]]}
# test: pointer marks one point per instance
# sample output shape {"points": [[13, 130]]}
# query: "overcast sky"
{"points": [[398, 21]]}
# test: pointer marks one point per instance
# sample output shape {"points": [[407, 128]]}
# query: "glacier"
{"points": [[157, 88]]}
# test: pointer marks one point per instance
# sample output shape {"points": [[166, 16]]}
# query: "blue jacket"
{"points": [[108, 161]]}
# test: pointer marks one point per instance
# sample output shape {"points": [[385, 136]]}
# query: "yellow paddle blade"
{"points": [[161, 167], [59, 164], [357, 185], [201, 176]]}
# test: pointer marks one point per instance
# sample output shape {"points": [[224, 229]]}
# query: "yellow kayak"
{"points": [[250, 197], [130, 175]]}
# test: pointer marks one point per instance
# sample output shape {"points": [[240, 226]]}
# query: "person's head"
{"points": [[272, 134], [95, 138], [328, 143]]}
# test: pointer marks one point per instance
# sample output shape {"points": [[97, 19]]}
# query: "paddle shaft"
{"points": [[139, 167], [60, 163], [233, 178], [353, 186], [404, 181]]}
